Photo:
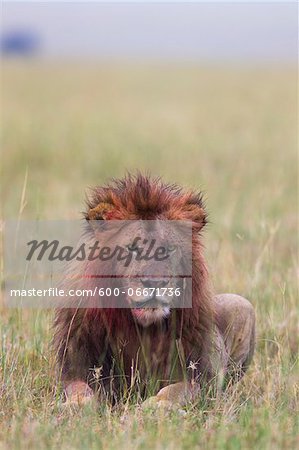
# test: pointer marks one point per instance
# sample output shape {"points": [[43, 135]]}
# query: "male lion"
{"points": [[102, 350]]}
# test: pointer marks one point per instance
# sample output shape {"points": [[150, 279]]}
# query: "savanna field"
{"points": [[230, 132]]}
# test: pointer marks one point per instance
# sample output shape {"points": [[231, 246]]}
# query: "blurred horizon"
{"points": [[194, 32]]}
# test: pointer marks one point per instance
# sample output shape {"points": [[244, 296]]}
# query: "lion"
{"points": [[179, 351]]}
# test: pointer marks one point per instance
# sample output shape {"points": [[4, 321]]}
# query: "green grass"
{"points": [[232, 133]]}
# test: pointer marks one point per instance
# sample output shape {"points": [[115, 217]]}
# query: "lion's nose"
{"points": [[154, 282]]}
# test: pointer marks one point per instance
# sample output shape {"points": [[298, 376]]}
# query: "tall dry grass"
{"points": [[228, 131]]}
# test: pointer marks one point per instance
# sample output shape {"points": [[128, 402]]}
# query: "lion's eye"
{"points": [[171, 248], [132, 248]]}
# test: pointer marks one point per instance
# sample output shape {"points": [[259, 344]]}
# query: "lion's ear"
{"points": [[100, 212], [196, 214]]}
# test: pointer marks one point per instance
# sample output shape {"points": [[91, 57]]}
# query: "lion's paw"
{"points": [[161, 405], [78, 394], [155, 402]]}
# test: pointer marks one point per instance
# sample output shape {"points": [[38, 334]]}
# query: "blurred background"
{"points": [[203, 94]]}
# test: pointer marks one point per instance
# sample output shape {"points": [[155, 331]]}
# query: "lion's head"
{"points": [[146, 208]]}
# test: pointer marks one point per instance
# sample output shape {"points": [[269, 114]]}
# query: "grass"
{"points": [[229, 131]]}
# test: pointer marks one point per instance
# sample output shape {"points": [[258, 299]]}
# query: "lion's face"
{"points": [[155, 259], [151, 285]]}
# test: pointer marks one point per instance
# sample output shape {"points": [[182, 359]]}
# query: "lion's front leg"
{"points": [[177, 394], [74, 360]]}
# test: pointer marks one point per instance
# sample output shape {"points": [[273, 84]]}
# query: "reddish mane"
{"points": [[142, 197]]}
